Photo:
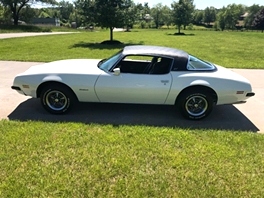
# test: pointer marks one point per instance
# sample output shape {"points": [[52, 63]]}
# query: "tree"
{"points": [[157, 14], [105, 13], [166, 15], [259, 20], [111, 13], [132, 14], [251, 11], [232, 15], [65, 9], [161, 15], [15, 6], [209, 15], [2, 10], [228, 16], [145, 14], [76, 17], [198, 17], [86, 9], [221, 19], [27, 13], [182, 13]]}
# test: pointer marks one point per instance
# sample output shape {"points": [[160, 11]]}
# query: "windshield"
{"points": [[107, 64], [198, 64]]}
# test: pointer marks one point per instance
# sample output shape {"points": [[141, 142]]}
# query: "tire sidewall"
{"points": [[68, 95], [186, 96]]}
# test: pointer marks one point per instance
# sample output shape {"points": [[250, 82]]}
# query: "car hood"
{"points": [[72, 66]]}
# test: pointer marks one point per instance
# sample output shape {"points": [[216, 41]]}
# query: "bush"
{"points": [[190, 26], [143, 25]]}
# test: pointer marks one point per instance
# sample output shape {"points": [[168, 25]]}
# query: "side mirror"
{"points": [[116, 71]]}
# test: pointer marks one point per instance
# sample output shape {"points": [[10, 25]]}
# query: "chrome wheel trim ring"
{"points": [[56, 100], [196, 105]]}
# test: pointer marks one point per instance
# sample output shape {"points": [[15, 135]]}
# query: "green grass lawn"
{"points": [[230, 49], [40, 159]]}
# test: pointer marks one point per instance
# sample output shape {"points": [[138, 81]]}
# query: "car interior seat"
{"points": [[161, 67]]}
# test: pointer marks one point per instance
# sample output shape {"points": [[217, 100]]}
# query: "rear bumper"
{"points": [[240, 102], [250, 94]]}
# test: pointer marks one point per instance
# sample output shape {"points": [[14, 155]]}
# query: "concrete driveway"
{"points": [[26, 34], [244, 117]]}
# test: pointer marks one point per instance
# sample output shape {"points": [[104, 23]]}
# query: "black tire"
{"points": [[57, 99], [195, 105]]}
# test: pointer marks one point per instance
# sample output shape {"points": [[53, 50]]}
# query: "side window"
{"points": [[198, 64], [162, 66], [136, 64]]}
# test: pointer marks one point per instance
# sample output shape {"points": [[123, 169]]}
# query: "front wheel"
{"points": [[195, 105], [57, 99]]}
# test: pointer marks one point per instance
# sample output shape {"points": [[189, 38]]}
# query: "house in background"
{"points": [[241, 21], [243, 16], [46, 21]]}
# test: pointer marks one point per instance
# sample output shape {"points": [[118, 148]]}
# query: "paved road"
{"points": [[245, 117], [25, 34]]}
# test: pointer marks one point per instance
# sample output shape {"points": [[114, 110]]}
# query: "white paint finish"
{"points": [[71, 66], [133, 88], [82, 74], [223, 81]]}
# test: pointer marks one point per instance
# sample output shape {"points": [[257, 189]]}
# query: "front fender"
{"points": [[52, 78]]}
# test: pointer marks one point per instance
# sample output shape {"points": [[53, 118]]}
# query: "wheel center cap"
{"points": [[56, 100], [196, 105]]}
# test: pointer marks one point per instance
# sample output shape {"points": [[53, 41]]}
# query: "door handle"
{"points": [[164, 81]]}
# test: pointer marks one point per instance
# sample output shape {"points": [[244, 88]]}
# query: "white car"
{"points": [[137, 74]]}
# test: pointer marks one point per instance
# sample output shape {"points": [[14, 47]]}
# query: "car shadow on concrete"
{"points": [[225, 117]]}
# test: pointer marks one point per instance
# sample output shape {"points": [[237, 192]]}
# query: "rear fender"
{"points": [[200, 82]]}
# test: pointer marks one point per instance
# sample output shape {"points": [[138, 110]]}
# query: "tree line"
{"points": [[126, 13]]}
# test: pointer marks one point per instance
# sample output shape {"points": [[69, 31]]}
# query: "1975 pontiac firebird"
{"points": [[136, 74]]}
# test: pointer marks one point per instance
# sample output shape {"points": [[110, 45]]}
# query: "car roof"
{"points": [[155, 50]]}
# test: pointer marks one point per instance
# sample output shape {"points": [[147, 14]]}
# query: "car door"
{"points": [[133, 88]]}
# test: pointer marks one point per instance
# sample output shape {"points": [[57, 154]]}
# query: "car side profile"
{"points": [[137, 74]]}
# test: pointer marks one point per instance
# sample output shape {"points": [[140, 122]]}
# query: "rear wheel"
{"points": [[57, 99], [195, 105]]}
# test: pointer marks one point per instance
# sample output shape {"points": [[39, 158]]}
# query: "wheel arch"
{"points": [[44, 84], [200, 88]]}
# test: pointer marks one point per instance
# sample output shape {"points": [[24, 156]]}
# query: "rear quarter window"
{"points": [[198, 64]]}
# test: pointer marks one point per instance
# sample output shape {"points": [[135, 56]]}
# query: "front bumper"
{"points": [[16, 88], [19, 90]]}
